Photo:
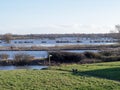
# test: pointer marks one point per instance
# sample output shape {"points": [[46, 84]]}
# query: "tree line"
{"points": [[113, 34]]}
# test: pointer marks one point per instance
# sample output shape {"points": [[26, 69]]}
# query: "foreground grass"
{"points": [[102, 76]]}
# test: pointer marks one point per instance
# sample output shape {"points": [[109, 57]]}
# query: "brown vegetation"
{"points": [[7, 37]]}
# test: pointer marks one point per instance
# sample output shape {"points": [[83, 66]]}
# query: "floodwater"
{"points": [[58, 42], [80, 51], [22, 67]]}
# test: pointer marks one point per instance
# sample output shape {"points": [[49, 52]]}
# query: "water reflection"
{"points": [[22, 67], [80, 51], [36, 54]]}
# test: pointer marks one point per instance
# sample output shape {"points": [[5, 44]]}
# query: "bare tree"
{"points": [[117, 28], [112, 31], [7, 37], [4, 56]]}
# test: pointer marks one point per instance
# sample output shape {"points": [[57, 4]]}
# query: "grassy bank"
{"points": [[101, 76]]}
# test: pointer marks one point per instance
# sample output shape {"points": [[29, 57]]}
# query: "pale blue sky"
{"points": [[58, 16]]}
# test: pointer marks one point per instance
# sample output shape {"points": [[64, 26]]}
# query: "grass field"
{"points": [[100, 76]]}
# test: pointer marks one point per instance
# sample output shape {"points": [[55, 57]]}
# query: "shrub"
{"points": [[106, 53], [92, 55], [22, 59], [4, 56], [110, 58], [6, 62], [90, 61], [66, 57]]}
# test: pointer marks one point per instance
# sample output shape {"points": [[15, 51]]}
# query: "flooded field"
{"points": [[59, 42], [22, 67]]}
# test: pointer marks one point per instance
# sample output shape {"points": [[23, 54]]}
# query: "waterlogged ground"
{"points": [[102, 76], [59, 42]]}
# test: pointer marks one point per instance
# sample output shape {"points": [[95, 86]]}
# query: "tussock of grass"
{"points": [[88, 77]]}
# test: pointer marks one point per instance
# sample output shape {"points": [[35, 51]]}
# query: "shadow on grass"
{"points": [[109, 73], [64, 70]]}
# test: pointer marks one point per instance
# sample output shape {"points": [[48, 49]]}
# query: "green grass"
{"points": [[100, 76]]}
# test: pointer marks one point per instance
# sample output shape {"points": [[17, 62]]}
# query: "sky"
{"points": [[58, 16]]}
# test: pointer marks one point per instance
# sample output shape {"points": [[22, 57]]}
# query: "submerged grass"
{"points": [[102, 76]]}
